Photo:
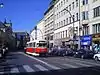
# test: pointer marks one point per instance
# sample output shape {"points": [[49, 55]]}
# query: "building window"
{"points": [[63, 34], [61, 23], [99, 27], [96, 11], [61, 3], [96, 28], [70, 7], [59, 14], [95, 0], [85, 15], [51, 37], [73, 17], [59, 6], [66, 8], [76, 3], [85, 30], [69, 19], [64, 11], [66, 20], [66, 0], [84, 2], [66, 33], [76, 16], [57, 25], [73, 5]]}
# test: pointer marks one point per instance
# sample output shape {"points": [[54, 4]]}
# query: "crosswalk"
{"points": [[28, 68], [40, 67]]}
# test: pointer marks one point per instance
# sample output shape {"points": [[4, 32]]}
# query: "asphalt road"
{"points": [[21, 63]]}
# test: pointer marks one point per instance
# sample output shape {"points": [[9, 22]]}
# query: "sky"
{"points": [[24, 14]]}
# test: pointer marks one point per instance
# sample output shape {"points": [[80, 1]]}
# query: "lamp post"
{"points": [[73, 25], [1, 5], [36, 32]]}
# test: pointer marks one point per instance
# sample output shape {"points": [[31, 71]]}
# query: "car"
{"points": [[97, 56], [53, 51], [70, 52], [1, 52], [82, 53], [61, 51]]}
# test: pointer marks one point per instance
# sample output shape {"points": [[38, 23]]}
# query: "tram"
{"points": [[36, 47]]}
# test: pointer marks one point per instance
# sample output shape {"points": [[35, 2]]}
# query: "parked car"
{"points": [[97, 56], [1, 51], [58, 51], [53, 51], [61, 51], [82, 53], [70, 52]]}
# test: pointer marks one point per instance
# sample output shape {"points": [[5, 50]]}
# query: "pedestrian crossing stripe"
{"points": [[14, 70], [71, 66], [41, 68], [28, 68]]}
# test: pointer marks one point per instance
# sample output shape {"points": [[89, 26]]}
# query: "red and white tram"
{"points": [[37, 47]]}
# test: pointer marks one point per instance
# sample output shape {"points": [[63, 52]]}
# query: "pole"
{"points": [[73, 25], [41, 33]]}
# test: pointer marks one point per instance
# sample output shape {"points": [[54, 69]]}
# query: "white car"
{"points": [[97, 56]]}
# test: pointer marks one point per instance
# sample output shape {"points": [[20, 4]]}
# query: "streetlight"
{"points": [[39, 30], [1, 5], [74, 36]]}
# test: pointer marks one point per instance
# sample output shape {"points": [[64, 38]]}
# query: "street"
{"points": [[21, 63]]}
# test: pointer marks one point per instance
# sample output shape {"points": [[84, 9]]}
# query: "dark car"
{"points": [[61, 51], [58, 51], [70, 52], [53, 51], [1, 52], [82, 53]]}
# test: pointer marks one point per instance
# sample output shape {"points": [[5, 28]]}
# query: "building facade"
{"points": [[38, 33], [71, 22], [40, 30], [66, 19], [49, 24], [21, 38]]}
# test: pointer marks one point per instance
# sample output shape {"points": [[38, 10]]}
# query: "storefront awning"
{"points": [[96, 39]]}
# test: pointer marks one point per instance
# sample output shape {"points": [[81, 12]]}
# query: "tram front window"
{"points": [[42, 44]]}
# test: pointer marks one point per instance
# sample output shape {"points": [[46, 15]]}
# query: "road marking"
{"points": [[14, 70], [51, 66], [1, 73], [82, 64], [28, 68], [41, 68], [69, 65]]}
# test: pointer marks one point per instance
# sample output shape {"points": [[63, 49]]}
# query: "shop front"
{"points": [[96, 42], [86, 42]]}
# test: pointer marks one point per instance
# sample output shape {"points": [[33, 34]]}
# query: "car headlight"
{"points": [[76, 52], [6, 48]]}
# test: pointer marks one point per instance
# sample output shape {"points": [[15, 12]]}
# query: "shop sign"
{"points": [[86, 40], [94, 39]]}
